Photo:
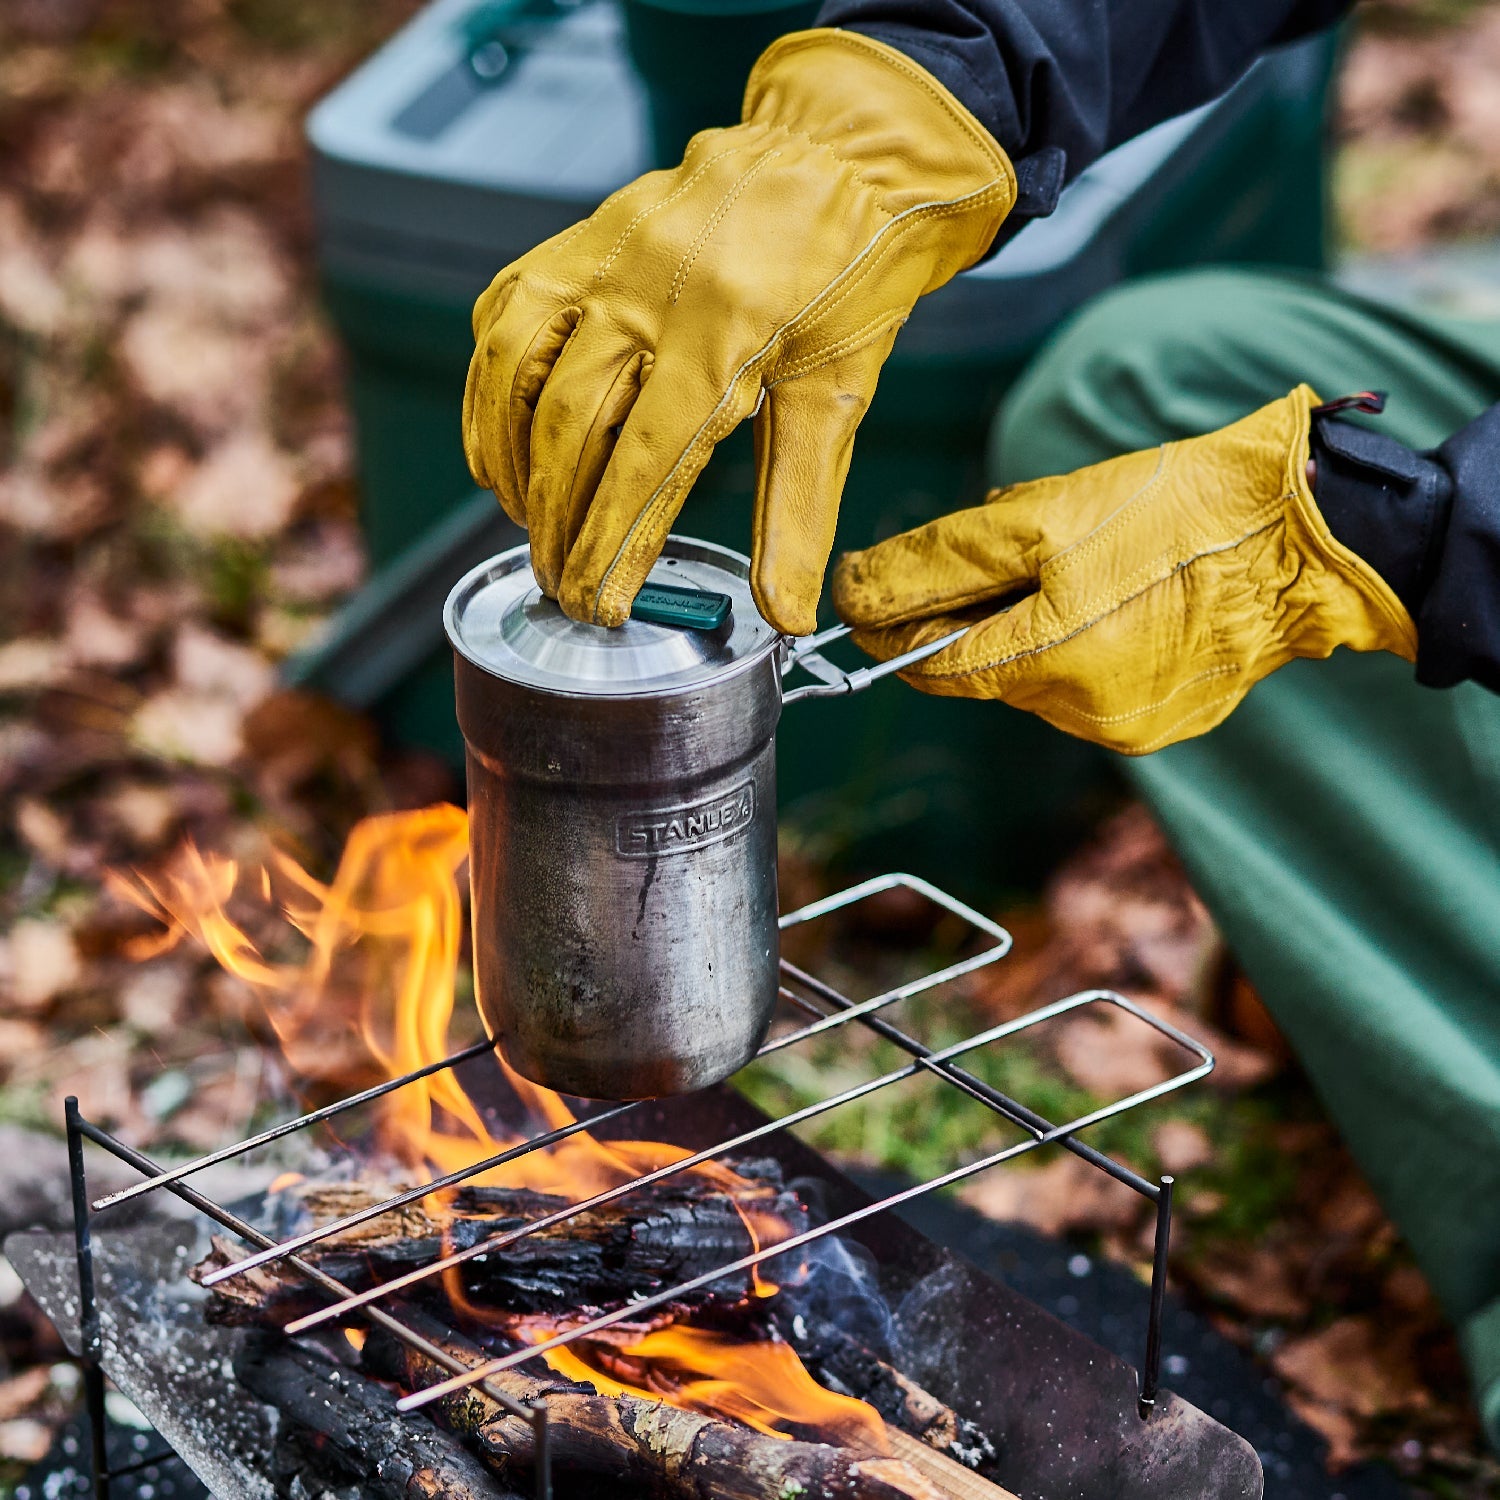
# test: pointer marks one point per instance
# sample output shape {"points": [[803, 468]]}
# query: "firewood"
{"points": [[666, 1452], [345, 1429], [842, 1363], [951, 1477], [668, 1232]]}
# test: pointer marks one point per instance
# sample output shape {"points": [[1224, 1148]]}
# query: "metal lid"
{"points": [[501, 621]]}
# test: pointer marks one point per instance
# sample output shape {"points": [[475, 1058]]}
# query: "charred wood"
{"points": [[343, 1428], [844, 1364], [656, 1236], [663, 1451]]}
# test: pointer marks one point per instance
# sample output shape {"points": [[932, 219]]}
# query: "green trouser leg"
{"points": [[1343, 824]]}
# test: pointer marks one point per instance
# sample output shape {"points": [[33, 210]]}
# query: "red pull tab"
{"points": [[1370, 401]]}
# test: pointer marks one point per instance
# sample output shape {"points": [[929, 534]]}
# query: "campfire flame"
{"points": [[369, 994], [763, 1384]]}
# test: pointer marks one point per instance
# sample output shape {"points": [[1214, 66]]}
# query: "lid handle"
{"points": [[686, 609]]}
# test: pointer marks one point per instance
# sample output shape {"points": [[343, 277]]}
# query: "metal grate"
{"points": [[825, 1010]]}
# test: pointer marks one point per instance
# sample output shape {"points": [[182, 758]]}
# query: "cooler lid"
{"points": [[499, 620]]}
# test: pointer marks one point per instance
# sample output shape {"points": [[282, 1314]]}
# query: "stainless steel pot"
{"points": [[622, 801]]}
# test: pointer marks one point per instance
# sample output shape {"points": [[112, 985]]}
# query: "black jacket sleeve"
{"points": [[1429, 524], [1058, 82]]}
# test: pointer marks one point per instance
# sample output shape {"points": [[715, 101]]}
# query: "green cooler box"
{"points": [[479, 130]]}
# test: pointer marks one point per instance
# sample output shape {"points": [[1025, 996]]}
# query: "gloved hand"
{"points": [[1158, 587], [768, 273]]}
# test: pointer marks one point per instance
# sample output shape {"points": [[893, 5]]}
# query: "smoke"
{"points": [[839, 1287]]}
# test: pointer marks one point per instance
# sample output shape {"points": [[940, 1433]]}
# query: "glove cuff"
{"points": [[902, 131], [1366, 615]]}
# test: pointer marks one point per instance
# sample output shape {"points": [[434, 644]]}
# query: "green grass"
{"points": [[921, 1128]]}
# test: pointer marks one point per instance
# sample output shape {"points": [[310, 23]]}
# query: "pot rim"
{"points": [[683, 548]]}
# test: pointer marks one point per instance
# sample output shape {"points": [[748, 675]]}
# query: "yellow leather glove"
{"points": [[767, 274], [1158, 587]]}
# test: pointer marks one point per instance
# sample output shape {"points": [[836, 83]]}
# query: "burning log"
{"points": [[684, 1225], [666, 1233], [346, 1429], [843, 1364], [660, 1449]]}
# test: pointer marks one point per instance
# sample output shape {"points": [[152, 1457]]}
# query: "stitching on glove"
{"points": [[848, 281], [846, 345], [1089, 542], [893, 60], [1149, 708], [846, 164], [917, 43], [1402, 623], [690, 255], [614, 200], [853, 276], [634, 539], [1111, 603], [661, 203], [1207, 710], [1140, 579]]}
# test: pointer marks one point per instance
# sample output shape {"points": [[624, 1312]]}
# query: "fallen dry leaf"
{"points": [[1258, 1281], [25, 1440], [31, 663], [20, 1040], [202, 729], [320, 567], [31, 296], [21, 1392], [95, 1067], [204, 661], [40, 962], [1237, 1066], [1113, 1054], [161, 470], [246, 487], [293, 735], [1353, 1365], [153, 995], [1350, 1208], [145, 814], [1407, 1288], [1180, 1146], [205, 370], [1063, 1195], [95, 636], [1335, 1426], [55, 507], [44, 831], [223, 264]]}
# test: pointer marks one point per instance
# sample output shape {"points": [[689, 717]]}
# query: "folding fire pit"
{"points": [[1055, 1415]]}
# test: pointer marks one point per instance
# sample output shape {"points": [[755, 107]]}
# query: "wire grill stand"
{"points": [[827, 1010]]}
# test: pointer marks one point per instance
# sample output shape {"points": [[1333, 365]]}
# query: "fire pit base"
{"points": [[1061, 1411], [1221, 1379]]}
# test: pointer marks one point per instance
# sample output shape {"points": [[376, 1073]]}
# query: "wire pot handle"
{"points": [[832, 681]]}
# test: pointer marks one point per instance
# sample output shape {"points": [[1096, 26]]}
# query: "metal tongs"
{"points": [[806, 652]]}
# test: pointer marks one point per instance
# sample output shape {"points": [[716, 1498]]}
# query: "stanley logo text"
{"points": [[642, 834]]}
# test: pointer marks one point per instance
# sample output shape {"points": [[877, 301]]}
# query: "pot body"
{"points": [[623, 869]]}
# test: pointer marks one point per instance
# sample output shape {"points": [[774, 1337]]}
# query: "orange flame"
{"points": [[369, 994], [763, 1384]]}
